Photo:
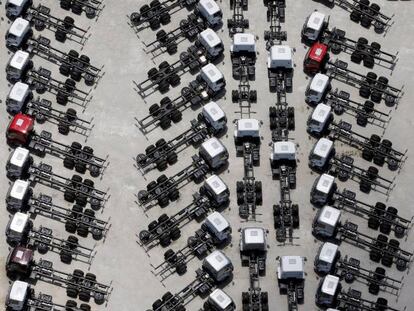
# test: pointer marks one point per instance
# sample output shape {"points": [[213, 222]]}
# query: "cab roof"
{"points": [[325, 183], [19, 27], [210, 6], [18, 291], [280, 52], [318, 52], [217, 260], [216, 184], [19, 189], [212, 73], [18, 222], [21, 123], [329, 216], [319, 83], [284, 147], [328, 252], [244, 42], [248, 127], [219, 222], [211, 37], [19, 59], [221, 298], [291, 267], [254, 236], [316, 20], [22, 255], [214, 111], [213, 147], [321, 113], [330, 285], [19, 91], [19, 156], [323, 147]]}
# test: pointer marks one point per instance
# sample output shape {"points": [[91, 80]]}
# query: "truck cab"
{"points": [[316, 58], [17, 228], [214, 117], [18, 196], [215, 188], [280, 57], [211, 12], [213, 77], [290, 268], [18, 33], [313, 27], [218, 300], [326, 258], [16, 8], [218, 227], [283, 152], [328, 290], [18, 97], [317, 89], [244, 44], [253, 243], [18, 163], [247, 130], [319, 121], [211, 42], [19, 262], [214, 153], [18, 296], [322, 190], [18, 66], [321, 154], [19, 130], [326, 222], [218, 266]]}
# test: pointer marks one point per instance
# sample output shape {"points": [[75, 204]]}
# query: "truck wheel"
{"points": [[373, 223], [170, 256], [154, 24], [366, 21], [64, 69], [81, 200], [61, 98], [361, 120], [60, 36], [401, 265], [84, 296], [175, 234], [70, 226], [379, 160], [172, 48], [174, 195], [399, 231], [390, 100], [373, 288], [77, 8], [157, 305], [181, 268], [83, 230], [364, 91], [165, 18], [154, 110], [89, 79], [76, 74], [66, 256], [385, 228], [387, 260], [39, 24], [144, 236], [165, 240], [68, 22], [135, 18], [96, 204], [99, 298], [369, 61], [176, 116], [80, 167], [356, 57], [163, 86], [72, 291], [375, 255], [365, 186], [69, 196], [174, 80], [240, 198], [65, 5], [42, 248], [70, 304], [161, 165], [163, 201], [90, 12], [355, 16], [379, 27], [63, 129], [172, 158], [165, 122]]}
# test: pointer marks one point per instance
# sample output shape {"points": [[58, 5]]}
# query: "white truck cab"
{"points": [[214, 153], [280, 56], [328, 289], [218, 266], [253, 239], [18, 196], [17, 296], [213, 77], [326, 258], [291, 267], [317, 89], [15, 8], [214, 116], [17, 228], [326, 222], [218, 227], [322, 189], [18, 66], [211, 12], [18, 97], [18, 163], [320, 119], [211, 42], [243, 43], [247, 130], [218, 300], [283, 151], [18, 33], [313, 27], [321, 154], [217, 189]]}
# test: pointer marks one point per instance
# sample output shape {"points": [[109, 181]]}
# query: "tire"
{"points": [[66, 256], [77, 8], [376, 96], [161, 165], [68, 163], [355, 16], [373, 223], [181, 268], [69, 196], [64, 69], [165, 122], [72, 291], [369, 61], [375, 255], [172, 158], [364, 91], [84, 296], [80, 167], [176, 116], [70, 226], [60, 36], [356, 57]]}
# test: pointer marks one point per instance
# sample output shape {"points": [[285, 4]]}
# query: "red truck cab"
{"points": [[19, 130], [19, 262], [316, 58]]}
